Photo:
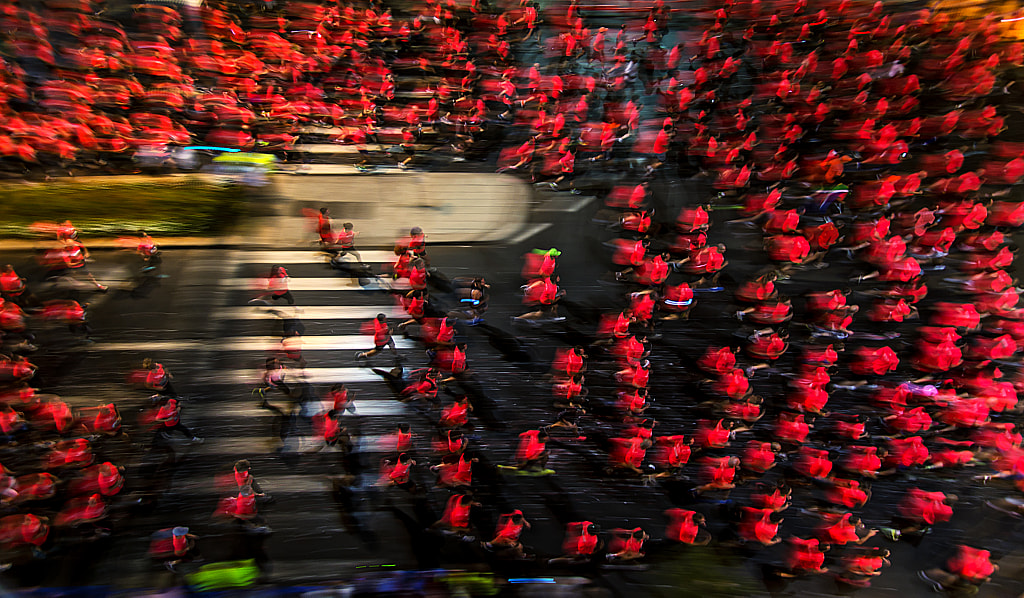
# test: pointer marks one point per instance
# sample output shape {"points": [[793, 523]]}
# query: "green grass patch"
{"points": [[175, 207]]}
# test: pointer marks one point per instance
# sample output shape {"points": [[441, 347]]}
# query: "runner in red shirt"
{"points": [[626, 544], [806, 556], [685, 527], [581, 543], [671, 453], [843, 529], [718, 473], [506, 535], [532, 454], [455, 519], [381, 337], [859, 567], [968, 567]]}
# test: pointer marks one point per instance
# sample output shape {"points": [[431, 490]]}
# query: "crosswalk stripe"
{"points": [[338, 283], [349, 342], [363, 408], [311, 257], [312, 312], [258, 445], [270, 484], [313, 375]]}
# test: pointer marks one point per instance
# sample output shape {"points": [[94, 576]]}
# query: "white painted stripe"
{"points": [[310, 313], [338, 283], [379, 408], [343, 169], [351, 342], [329, 148], [346, 342], [270, 484], [582, 203], [153, 346], [314, 375], [259, 445], [301, 256], [526, 234], [365, 407]]}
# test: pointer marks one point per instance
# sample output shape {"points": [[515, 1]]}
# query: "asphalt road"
{"points": [[185, 321]]}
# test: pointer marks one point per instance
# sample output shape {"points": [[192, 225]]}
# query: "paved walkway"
{"points": [[451, 207]]}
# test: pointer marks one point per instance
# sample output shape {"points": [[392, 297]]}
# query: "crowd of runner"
{"points": [[63, 466], [840, 132], [855, 147], [91, 87]]}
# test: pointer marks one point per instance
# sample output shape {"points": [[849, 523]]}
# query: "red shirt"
{"points": [[756, 525], [820, 355], [925, 507], [813, 463], [755, 290], [863, 460], [716, 436], [456, 512], [805, 555], [578, 541], [791, 428], [717, 472], [681, 526], [530, 447], [846, 493], [787, 248], [959, 315], [972, 564], [717, 360], [671, 451], [381, 333], [770, 346], [906, 452], [733, 384], [874, 361], [841, 532], [758, 456]]}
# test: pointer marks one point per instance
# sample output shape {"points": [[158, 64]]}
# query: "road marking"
{"points": [[363, 408], [302, 256], [346, 342], [526, 234], [309, 313], [258, 445], [314, 375], [270, 484], [338, 283]]}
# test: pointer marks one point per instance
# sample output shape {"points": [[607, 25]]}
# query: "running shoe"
{"points": [[936, 586]]}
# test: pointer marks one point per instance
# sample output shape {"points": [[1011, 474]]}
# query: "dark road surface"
{"points": [[331, 521]]}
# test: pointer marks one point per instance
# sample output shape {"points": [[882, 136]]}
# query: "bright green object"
{"points": [[247, 158], [226, 575]]}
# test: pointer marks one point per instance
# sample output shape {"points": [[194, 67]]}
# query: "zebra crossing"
{"points": [[331, 310], [294, 467]]}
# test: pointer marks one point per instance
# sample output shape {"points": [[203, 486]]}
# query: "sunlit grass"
{"points": [[189, 206]]}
